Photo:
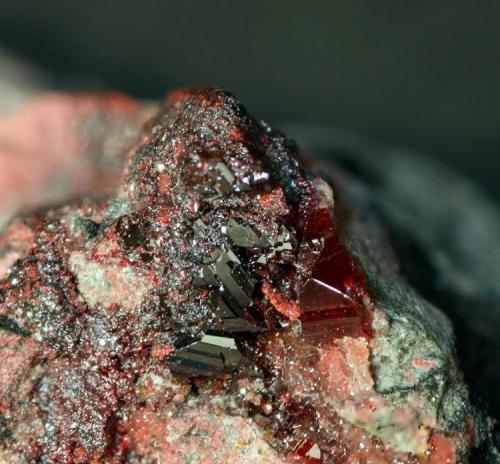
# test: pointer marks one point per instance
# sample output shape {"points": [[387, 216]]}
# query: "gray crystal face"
{"points": [[220, 181], [227, 277], [226, 177], [245, 236], [211, 355]]}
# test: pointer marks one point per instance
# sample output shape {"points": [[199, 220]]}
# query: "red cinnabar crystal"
{"points": [[331, 298]]}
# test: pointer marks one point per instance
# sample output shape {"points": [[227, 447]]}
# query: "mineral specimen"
{"points": [[217, 306]]}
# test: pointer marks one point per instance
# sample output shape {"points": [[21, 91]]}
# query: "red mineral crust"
{"points": [[206, 312]]}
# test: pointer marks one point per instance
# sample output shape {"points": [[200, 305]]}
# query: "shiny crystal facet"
{"points": [[329, 299]]}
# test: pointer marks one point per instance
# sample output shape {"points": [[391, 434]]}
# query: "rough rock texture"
{"points": [[221, 306], [58, 146]]}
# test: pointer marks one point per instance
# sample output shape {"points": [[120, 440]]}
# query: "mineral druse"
{"points": [[215, 305]]}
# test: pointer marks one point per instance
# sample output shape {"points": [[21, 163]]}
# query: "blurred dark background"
{"points": [[424, 74]]}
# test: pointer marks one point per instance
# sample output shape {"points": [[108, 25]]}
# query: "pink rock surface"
{"points": [[56, 146]]}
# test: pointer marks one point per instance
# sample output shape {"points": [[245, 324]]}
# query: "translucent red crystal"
{"points": [[331, 299]]}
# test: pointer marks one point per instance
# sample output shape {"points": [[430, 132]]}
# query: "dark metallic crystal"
{"points": [[212, 354], [245, 236]]}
